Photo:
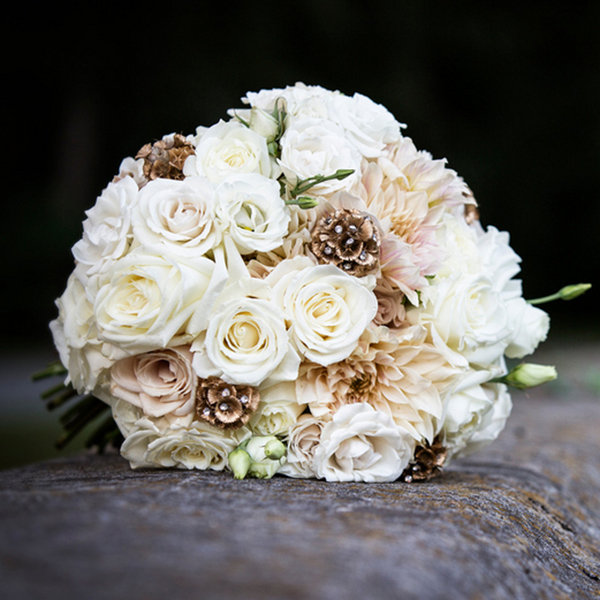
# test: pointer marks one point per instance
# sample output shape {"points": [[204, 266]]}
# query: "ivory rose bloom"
{"points": [[312, 147], [362, 444], [303, 441], [147, 301], [327, 309], [278, 410], [246, 341], [177, 217], [226, 149], [107, 229], [199, 446], [250, 210], [159, 382]]}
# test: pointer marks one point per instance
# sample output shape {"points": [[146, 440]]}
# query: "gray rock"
{"points": [[519, 520]]}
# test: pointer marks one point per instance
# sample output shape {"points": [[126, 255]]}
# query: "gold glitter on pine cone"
{"points": [[165, 158], [348, 239], [225, 405], [427, 462]]}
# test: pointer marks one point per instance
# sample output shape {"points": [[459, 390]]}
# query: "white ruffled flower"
{"points": [[278, 410], [107, 229], [362, 444], [246, 341], [132, 167], [177, 217], [199, 446], [147, 300], [327, 309], [530, 326], [475, 416], [303, 441], [250, 210], [368, 125], [312, 147], [226, 149]]}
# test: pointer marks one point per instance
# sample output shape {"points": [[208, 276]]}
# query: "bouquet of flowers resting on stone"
{"points": [[298, 290]]}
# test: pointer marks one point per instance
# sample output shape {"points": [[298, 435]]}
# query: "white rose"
{"points": [[278, 410], [246, 341], [327, 309], [529, 325], [107, 229], [250, 210], [176, 217], [362, 444], [200, 446], [475, 416], [147, 300], [303, 441], [368, 125], [229, 148], [159, 382], [300, 99], [312, 147], [81, 352]]}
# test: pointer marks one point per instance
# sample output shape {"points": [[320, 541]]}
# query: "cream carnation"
{"points": [[226, 149], [159, 382], [327, 309], [177, 217], [362, 444]]}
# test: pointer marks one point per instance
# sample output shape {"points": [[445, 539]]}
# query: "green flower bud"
{"points": [[572, 291], [239, 462], [528, 375], [307, 202], [265, 469], [275, 449]]}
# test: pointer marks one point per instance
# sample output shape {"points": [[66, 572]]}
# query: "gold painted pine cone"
{"points": [[427, 462]]}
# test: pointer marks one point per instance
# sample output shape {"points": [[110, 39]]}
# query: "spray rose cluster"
{"points": [[297, 290]]}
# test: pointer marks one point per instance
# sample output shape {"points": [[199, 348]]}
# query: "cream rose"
{"points": [[246, 341], [278, 410], [147, 300], [250, 210], [312, 147], [369, 126], [199, 446], [303, 440], [107, 229], [159, 382], [327, 309], [362, 444], [229, 148], [177, 217]]}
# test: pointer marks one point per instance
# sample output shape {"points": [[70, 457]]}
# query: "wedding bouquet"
{"points": [[297, 290]]}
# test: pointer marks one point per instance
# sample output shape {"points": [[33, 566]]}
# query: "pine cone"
{"points": [[349, 239], [471, 210], [166, 157], [427, 462], [225, 405]]}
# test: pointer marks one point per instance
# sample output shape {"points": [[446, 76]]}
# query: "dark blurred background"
{"points": [[508, 92]]}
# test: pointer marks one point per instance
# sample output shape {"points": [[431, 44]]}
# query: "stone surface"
{"points": [[519, 520]]}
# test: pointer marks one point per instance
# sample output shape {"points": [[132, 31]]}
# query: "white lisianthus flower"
{"points": [[246, 341], [226, 149], [475, 416], [146, 300], [176, 217], [327, 309], [250, 210], [300, 99], [530, 326], [107, 229], [312, 147], [132, 167], [368, 125], [362, 444], [199, 446], [278, 410]]}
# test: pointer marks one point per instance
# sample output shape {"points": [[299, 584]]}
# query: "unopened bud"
{"points": [[264, 124], [307, 202], [274, 449], [528, 375], [239, 462], [572, 291]]}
